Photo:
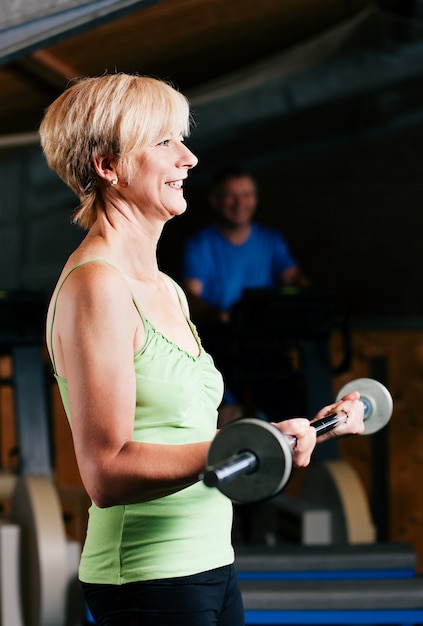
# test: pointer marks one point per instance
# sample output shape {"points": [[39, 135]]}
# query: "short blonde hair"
{"points": [[113, 115]]}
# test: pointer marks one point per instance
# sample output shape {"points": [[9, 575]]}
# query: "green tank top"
{"points": [[185, 533]]}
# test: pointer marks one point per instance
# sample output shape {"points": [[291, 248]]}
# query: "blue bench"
{"points": [[388, 601], [335, 584], [290, 562]]}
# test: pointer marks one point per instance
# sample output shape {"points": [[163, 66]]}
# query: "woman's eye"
{"points": [[165, 142]]}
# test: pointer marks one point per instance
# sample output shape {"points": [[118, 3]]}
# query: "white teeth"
{"points": [[176, 183]]}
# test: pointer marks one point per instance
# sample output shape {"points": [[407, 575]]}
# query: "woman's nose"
{"points": [[189, 158]]}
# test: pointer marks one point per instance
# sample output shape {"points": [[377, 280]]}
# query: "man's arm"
{"points": [[200, 309], [292, 276]]}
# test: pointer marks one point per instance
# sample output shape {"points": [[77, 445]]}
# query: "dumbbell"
{"points": [[250, 460]]}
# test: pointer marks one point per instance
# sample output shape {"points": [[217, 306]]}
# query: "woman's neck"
{"points": [[131, 247]]}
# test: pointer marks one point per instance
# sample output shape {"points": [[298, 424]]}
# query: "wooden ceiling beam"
{"points": [[46, 66]]}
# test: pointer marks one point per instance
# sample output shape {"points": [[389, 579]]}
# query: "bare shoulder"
{"points": [[92, 289], [93, 308], [91, 279]]}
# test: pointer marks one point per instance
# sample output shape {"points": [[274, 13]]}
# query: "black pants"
{"points": [[208, 599]]}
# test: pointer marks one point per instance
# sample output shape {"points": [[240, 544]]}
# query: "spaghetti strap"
{"points": [[181, 299], [53, 314]]}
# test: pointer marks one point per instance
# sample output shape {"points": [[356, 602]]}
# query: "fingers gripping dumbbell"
{"points": [[250, 460]]}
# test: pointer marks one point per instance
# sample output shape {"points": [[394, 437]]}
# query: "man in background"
{"points": [[223, 259]]}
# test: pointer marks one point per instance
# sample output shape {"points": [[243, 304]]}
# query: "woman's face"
{"points": [[159, 175]]}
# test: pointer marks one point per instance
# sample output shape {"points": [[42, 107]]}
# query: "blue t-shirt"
{"points": [[225, 269]]}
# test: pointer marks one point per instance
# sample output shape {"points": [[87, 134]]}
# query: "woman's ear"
{"points": [[105, 168]]}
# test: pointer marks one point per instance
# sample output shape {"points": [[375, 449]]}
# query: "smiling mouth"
{"points": [[176, 184]]}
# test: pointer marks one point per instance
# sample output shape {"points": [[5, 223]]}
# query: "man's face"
{"points": [[236, 201]]}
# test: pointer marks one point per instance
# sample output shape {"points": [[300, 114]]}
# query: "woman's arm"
{"points": [[96, 331]]}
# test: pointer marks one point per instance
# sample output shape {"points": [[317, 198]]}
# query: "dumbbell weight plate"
{"points": [[272, 450], [377, 402]]}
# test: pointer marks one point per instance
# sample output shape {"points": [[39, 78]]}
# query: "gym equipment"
{"points": [[273, 326], [40, 562], [289, 561], [379, 601], [337, 584], [43, 565], [346, 499], [250, 460]]}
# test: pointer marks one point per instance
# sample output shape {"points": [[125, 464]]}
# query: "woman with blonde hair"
{"points": [[140, 392]]}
